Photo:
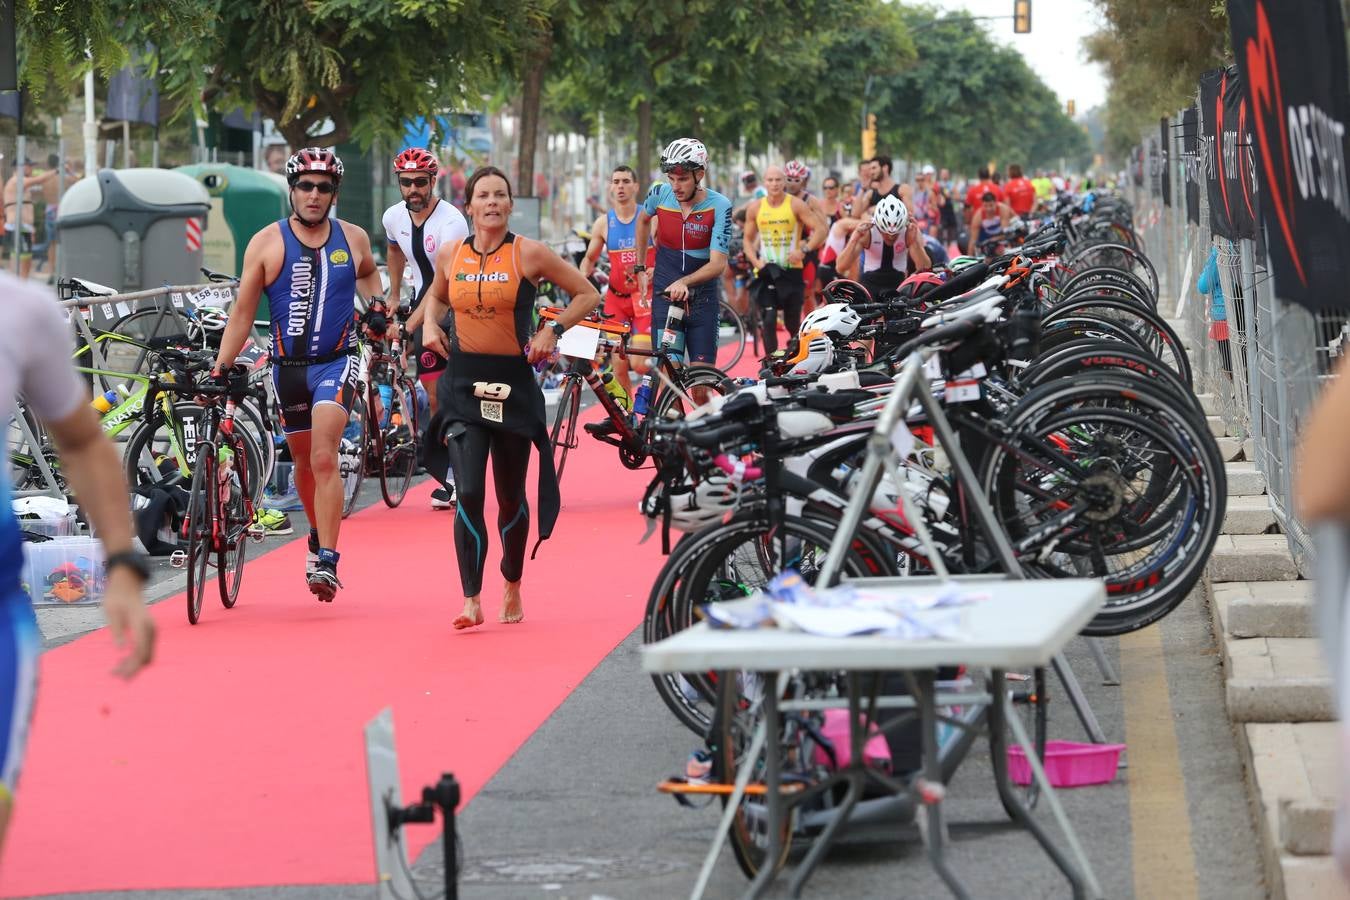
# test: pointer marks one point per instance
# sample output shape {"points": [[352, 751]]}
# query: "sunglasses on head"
{"points": [[323, 187], [414, 182]]}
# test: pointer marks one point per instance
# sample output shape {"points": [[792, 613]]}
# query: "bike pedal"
{"points": [[178, 559]]}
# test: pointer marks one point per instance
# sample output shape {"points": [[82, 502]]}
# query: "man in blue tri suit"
{"points": [[35, 348], [311, 266], [693, 232]]}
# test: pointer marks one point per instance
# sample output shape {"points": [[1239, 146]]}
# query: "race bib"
{"points": [[491, 410]]}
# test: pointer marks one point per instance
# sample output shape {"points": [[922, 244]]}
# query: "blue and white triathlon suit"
{"points": [[313, 306], [35, 348]]}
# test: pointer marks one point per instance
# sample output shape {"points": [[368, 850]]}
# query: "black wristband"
{"points": [[558, 328], [134, 561]]}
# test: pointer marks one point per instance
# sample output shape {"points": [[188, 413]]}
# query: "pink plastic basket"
{"points": [[1068, 763]]}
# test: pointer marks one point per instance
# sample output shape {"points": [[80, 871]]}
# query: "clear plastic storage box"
{"points": [[65, 571]]}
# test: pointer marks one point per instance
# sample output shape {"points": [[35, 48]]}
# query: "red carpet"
{"points": [[238, 760]]}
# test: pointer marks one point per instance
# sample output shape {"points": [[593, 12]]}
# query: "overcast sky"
{"points": [[1054, 49]]}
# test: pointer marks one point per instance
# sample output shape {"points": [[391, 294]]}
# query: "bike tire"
{"points": [[352, 458], [1155, 334], [563, 436], [1086, 256], [668, 404], [399, 459], [201, 517], [730, 352], [153, 437], [234, 538]]}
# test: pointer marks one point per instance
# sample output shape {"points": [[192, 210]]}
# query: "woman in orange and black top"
{"points": [[480, 318]]}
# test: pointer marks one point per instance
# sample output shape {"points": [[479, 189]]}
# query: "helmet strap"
{"points": [[332, 198]]}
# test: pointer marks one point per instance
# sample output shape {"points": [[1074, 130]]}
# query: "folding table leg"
{"points": [[773, 788], [922, 685], [1081, 876], [1109, 676]]}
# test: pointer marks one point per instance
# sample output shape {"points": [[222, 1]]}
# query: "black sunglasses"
{"points": [[831, 187], [323, 187], [414, 182]]}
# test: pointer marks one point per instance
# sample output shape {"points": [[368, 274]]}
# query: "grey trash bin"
{"points": [[133, 228]]}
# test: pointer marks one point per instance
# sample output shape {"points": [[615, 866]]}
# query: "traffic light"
{"points": [[1070, 108], [869, 137], [1021, 16]]}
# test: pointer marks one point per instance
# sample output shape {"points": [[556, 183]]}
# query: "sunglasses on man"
{"points": [[323, 187], [414, 182]]}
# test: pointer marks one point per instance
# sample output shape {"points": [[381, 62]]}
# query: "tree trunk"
{"points": [[644, 142], [531, 97]]}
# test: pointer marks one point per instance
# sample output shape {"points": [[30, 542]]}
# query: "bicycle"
{"points": [[390, 448], [219, 520], [623, 430]]}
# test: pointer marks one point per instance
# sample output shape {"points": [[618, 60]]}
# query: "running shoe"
{"points": [[698, 770], [272, 521], [442, 498], [323, 581]]}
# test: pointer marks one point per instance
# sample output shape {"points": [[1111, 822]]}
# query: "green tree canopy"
{"points": [[1154, 52]]}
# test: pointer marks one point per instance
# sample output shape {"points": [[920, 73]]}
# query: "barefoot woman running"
{"points": [[480, 316]]}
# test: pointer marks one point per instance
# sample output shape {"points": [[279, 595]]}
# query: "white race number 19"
{"points": [[491, 390]]}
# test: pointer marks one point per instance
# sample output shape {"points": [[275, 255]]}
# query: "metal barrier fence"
{"points": [[1261, 359]]}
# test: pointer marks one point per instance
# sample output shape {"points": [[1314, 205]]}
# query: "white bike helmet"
{"points": [[687, 152], [837, 319], [211, 318], [815, 354], [695, 506], [890, 215]]}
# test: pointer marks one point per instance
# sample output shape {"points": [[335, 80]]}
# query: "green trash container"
{"points": [[243, 202]]}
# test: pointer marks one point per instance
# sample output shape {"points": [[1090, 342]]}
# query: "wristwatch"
{"points": [[640, 267], [134, 561], [558, 328]]}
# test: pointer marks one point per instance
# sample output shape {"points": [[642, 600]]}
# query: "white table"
{"points": [[1022, 625]]}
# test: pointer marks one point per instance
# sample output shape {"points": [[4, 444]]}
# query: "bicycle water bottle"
{"points": [[672, 337], [613, 388], [644, 395], [105, 401], [386, 402]]}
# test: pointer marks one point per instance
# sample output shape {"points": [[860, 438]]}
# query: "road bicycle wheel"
{"points": [[1109, 478], [671, 404], [140, 327], [234, 534], [1118, 256], [149, 458], [724, 562], [352, 455], [399, 459], [563, 436], [201, 520], [738, 717], [1107, 280], [1153, 332], [731, 336]]}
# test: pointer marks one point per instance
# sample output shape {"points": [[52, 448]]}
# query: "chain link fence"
{"points": [[1260, 360]]}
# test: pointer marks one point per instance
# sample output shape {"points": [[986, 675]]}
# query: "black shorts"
{"points": [[301, 388], [776, 287]]}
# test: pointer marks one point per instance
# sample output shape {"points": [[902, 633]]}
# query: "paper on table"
{"points": [[579, 342]]}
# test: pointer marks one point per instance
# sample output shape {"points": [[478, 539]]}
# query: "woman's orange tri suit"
{"points": [[490, 405], [491, 303]]}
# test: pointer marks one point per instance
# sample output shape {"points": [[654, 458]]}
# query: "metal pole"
{"points": [[20, 155], [126, 144], [90, 125]]}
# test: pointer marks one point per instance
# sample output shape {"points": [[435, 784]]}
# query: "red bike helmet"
{"points": [[313, 159], [416, 159], [796, 169], [917, 285], [843, 290]]}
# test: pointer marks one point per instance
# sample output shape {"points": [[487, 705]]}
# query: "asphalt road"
{"points": [[574, 813]]}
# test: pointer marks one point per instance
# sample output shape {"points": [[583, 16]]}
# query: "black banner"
{"points": [[9, 56], [1152, 166], [1227, 155], [1190, 160], [1294, 71], [1165, 160]]}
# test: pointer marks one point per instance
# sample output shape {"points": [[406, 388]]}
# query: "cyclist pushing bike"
{"points": [[311, 266], [693, 232]]}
